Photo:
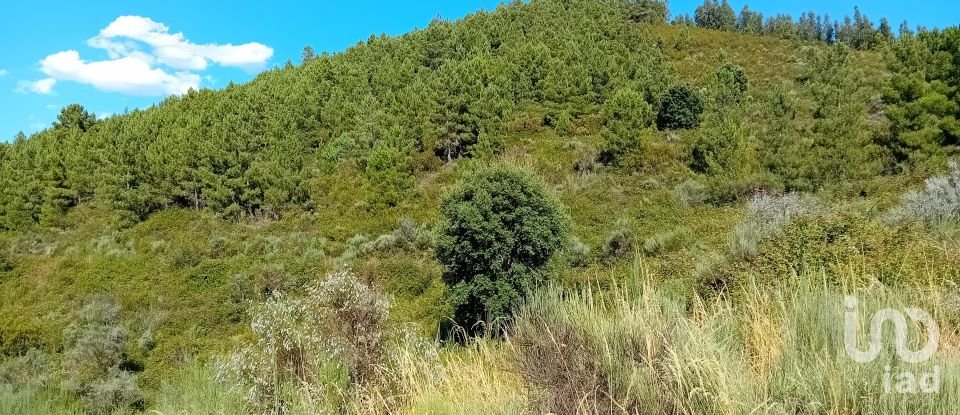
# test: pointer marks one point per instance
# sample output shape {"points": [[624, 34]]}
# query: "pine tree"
{"points": [[307, 54]]}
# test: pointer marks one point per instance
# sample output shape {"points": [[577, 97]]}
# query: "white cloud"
{"points": [[173, 49], [167, 67], [128, 75], [3, 72], [43, 86]]}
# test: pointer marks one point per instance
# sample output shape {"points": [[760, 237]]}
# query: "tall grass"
{"points": [[638, 349], [634, 348], [195, 390]]}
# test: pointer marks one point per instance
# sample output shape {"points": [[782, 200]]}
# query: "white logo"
{"points": [[899, 330], [907, 382]]}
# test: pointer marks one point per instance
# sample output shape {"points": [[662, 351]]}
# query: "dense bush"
{"points": [[318, 348], [836, 243], [95, 361], [715, 15], [389, 174], [620, 242], [767, 216], [648, 11], [680, 108], [729, 84], [499, 229], [937, 204], [627, 114]]}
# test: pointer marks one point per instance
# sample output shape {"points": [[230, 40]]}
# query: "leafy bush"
{"points": [[938, 203], [647, 11], [578, 253], [389, 174], [766, 216], [499, 229], [729, 84], [324, 345], [562, 123], [691, 192], [620, 242], [186, 258], [95, 358], [680, 108], [836, 243], [627, 115], [666, 241]]}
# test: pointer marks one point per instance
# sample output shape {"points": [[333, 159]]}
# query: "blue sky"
{"points": [[116, 55]]}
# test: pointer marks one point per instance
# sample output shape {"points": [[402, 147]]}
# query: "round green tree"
{"points": [[500, 227], [680, 108]]}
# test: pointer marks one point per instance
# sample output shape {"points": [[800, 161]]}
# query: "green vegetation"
{"points": [[499, 230], [657, 218]]}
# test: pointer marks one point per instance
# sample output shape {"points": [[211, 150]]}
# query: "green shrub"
{"points": [[95, 359], [578, 253], [691, 192], [620, 242], [680, 108], [389, 174], [837, 243], [500, 227], [326, 346], [767, 216], [667, 241], [730, 84], [186, 258], [627, 115], [684, 38], [562, 123]]}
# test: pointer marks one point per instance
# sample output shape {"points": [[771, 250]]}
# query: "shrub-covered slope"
{"points": [[677, 152]]}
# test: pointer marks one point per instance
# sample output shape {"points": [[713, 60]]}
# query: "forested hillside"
{"points": [[565, 206]]}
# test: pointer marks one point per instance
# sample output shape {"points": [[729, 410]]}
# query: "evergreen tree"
{"points": [[626, 115], [863, 37], [780, 26], [715, 15], [307, 54], [75, 116], [885, 31], [807, 28], [750, 21], [680, 108], [648, 11]]}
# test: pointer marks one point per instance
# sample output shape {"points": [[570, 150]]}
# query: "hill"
{"points": [[712, 241]]}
